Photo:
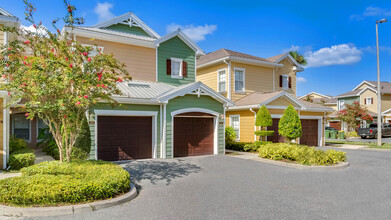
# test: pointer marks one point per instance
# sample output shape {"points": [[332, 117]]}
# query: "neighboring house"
{"points": [[251, 82], [366, 94], [165, 113], [7, 20], [327, 101]]}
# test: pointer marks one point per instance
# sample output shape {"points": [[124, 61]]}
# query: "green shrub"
{"points": [[255, 146], [352, 134], [290, 124], [16, 144], [238, 146], [302, 154], [52, 183], [264, 133], [230, 135], [21, 158]]}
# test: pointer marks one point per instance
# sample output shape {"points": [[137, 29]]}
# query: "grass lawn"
{"points": [[369, 144]]}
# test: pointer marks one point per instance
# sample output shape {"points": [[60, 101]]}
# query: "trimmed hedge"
{"points": [[53, 183], [22, 158], [301, 154], [17, 144], [264, 133], [238, 146], [245, 146]]}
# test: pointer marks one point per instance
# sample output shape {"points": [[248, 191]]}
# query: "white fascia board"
{"points": [[110, 37], [310, 109], [315, 93], [212, 62], [184, 38], [124, 100], [387, 111], [126, 16], [7, 20], [374, 90], [299, 67], [241, 60], [283, 93], [242, 107], [363, 83], [347, 96]]}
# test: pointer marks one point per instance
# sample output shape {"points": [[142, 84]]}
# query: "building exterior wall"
{"points": [[385, 102], [363, 86], [280, 102], [209, 76], [1, 36], [349, 100], [2, 147], [175, 48], [369, 94], [287, 69], [127, 29], [140, 61], [193, 101]]}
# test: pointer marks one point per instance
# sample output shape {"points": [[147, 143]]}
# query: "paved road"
{"points": [[223, 187], [373, 140]]}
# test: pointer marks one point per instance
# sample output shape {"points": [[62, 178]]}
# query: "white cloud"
{"points": [[41, 30], [371, 12], [103, 11], [301, 79], [196, 33], [341, 54], [292, 48]]}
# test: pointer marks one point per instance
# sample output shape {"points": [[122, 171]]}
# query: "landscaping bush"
{"points": [[16, 144], [301, 154], [239, 146], [264, 133], [21, 158], [352, 134], [230, 135], [53, 183]]}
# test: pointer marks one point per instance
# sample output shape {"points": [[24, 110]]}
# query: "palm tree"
{"points": [[298, 57]]}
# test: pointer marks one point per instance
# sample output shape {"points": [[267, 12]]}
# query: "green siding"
{"points": [[128, 107], [175, 48], [350, 100], [127, 29], [192, 101]]}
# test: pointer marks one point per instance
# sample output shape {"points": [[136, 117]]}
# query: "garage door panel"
{"points": [[193, 136], [123, 138]]}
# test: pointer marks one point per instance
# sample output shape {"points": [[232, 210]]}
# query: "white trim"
{"points": [[5, 37], [366, 88], [153, 114], [157, 63], [229, 80], [195, 69], [13, 126], [368, 100], [244, 80], [165, 130], [180, 74], [218, 79], [339, 104], [230, 124], [315, 93], [126, 16], [5, 136], [184, 38], [224, 120], [215, 129], [387, 111], [292, 60], [363, 83], [161, 130], [241, 60]]}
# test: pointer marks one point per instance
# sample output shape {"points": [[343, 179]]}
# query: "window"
{"points": [[235, 124], [341, 104], [285, 81], [222, 80], [176, 68], [21, 126], [368, 101], [239, 80], [42, 129]]}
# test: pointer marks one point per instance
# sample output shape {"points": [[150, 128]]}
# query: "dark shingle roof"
{"points": [[218, 54]]}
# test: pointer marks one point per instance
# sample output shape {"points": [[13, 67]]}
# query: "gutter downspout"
{"points": [[225, 109], [229, 79], [161, 130], [255, 127], [164, 130]]}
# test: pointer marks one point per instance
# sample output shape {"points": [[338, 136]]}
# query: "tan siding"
{"points": [[247, 123], [1, 36], [369, 94], [1, 135], [140, 61], [208, 76], [287, 69], [385, 102], [276, 111], [363, 86], [312, 113], [257, 79], [281, 102], [332, 106], [316, 96]]}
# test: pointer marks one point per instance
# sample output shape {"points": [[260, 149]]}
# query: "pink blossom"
{"points": [[66, 59], [77, 103], [89, 59], [4, 76], [119, 79], [85, 54], [71, 65], [86, 96], [58, 31], [27, 114], [9, 93], [65, 116], [27, 42], [35, 26]]}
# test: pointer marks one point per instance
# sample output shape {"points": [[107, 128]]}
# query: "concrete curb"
{"points": [[375, 149], [67, 210], [303, 167]]}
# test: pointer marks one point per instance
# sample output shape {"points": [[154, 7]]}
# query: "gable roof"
{"points": [[326, 99], [349, 94], [222, 54], [158, 92], [5, 16], [279, 58], [179, 33], [129, 19], [385, 86], [315, 93]]}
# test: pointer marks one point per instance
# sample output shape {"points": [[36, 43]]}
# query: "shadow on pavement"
{"points": [[158, 170]]}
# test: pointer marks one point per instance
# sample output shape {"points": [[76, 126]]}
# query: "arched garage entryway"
{"points": [[194, 132]]}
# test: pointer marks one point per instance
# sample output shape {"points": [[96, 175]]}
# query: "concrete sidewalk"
{"points": [[41, 156]]}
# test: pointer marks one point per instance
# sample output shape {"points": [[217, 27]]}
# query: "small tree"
{"points": [[290, 124], [298, 57], [352, 116], [263, 119], [230, 135], [57, 77]]}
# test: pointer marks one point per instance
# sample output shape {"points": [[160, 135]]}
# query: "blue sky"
{"points": [[337, 37]]}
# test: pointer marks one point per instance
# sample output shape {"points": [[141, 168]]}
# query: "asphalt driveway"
{"points": [[223, 187], [386, 139]]}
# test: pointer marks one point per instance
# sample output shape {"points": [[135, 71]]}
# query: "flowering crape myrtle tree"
{"points": [[352, 116], [57, 76]]}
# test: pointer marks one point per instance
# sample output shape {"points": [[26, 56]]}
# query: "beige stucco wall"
{"points": [[386, 102], [287, 69], [369, 94], [140, 61]]}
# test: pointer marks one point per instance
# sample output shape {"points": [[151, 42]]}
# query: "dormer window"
{"points": [[285, 82], [177, 68], [368, 101]]}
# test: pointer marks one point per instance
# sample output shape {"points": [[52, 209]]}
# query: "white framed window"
{"points": [[222, 80], [235, 124], [368, 101], [176, 68], [285, 81], [341, 104], [239, 79], [21, 126]]}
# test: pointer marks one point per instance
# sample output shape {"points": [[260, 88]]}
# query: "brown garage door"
{"points": [[124, 138], [336, 125], [310, 132], [193, 136], [276, 138]]}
